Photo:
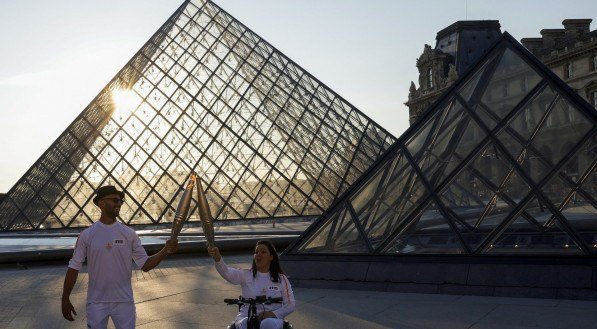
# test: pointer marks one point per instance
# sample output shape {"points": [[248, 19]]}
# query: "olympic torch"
{"points": [[207, 222], [182, 211]]}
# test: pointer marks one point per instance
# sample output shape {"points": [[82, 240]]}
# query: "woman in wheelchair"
{"points": [[265, 278]]}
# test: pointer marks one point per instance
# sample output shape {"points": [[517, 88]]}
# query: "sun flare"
{"points": [[125, 102]]}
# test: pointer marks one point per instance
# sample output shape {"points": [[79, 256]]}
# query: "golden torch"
{"points": [[207, 222], [184, 204]]}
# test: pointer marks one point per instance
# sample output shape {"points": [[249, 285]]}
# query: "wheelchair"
{"points": [[253, 320], [287, 325]]}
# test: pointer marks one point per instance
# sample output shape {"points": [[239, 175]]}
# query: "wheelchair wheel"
{"points": [[287, 325]]}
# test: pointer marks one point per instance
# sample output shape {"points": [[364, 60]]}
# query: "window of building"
{"points": [[571, 168], [570, 114], [593, 98], [544, 102], [594, 62], [524, 84], [527, 121], [430, 77], [568, 72]]}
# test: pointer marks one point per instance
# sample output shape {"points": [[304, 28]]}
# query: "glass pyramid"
{"points": [[207, 94], [503, 163]]}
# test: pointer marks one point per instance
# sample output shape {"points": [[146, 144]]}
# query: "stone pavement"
{"points": [[187, 292]]}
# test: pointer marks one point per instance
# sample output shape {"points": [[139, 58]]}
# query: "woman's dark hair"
{"points": [[275, 269]]}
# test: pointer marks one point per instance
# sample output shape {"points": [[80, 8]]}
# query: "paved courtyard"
{"points": [[186, 292]]}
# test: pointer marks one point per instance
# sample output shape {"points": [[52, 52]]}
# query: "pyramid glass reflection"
{"points": [[503, 163], [207, 94]]}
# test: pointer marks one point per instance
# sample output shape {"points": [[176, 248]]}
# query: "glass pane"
{"points": [[140, 217], [390, 197], [371, 188], [338, 235], [558, 134], [532, 162], [543, 237], [51, 192], [420, 139], [482, 195], [558, 189], [427, 233], [20, 222], [581, 214], [590, 185], [525, 122], [36, 210], [509, 84], [473, 82], [51, 221], [455, 135], [580, 164]]}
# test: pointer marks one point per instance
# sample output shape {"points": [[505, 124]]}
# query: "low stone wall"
{"points": [[245, 243], [537, 278]]}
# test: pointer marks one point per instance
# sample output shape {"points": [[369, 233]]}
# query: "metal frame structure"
{"points": [[204, 94], [475, 175]]}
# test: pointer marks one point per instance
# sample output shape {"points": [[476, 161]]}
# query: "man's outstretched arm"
{"points": [[153, 261], [69, 282]]}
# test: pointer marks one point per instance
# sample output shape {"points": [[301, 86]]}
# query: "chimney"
{"points": [[552, 37], [534, 45], [576, 28]]}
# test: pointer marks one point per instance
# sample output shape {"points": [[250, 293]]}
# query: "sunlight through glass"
{"points": [[125, 102]]}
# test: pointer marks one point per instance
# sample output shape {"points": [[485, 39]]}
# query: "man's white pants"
{"points": [[123, 315], [267, 323]]}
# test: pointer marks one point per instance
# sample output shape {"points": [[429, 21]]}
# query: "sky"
{"points": [[56, 56]]}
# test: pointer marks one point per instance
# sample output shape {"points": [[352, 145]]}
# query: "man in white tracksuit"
{"points": [[109, 247]]}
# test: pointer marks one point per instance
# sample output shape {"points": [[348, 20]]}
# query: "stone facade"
{"points": [[570, 52], [457, 47], [436, 72]]}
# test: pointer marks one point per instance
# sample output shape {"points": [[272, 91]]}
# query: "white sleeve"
{"points": [[230, 274], [287, 299], [80, 252], [139, 253]]}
